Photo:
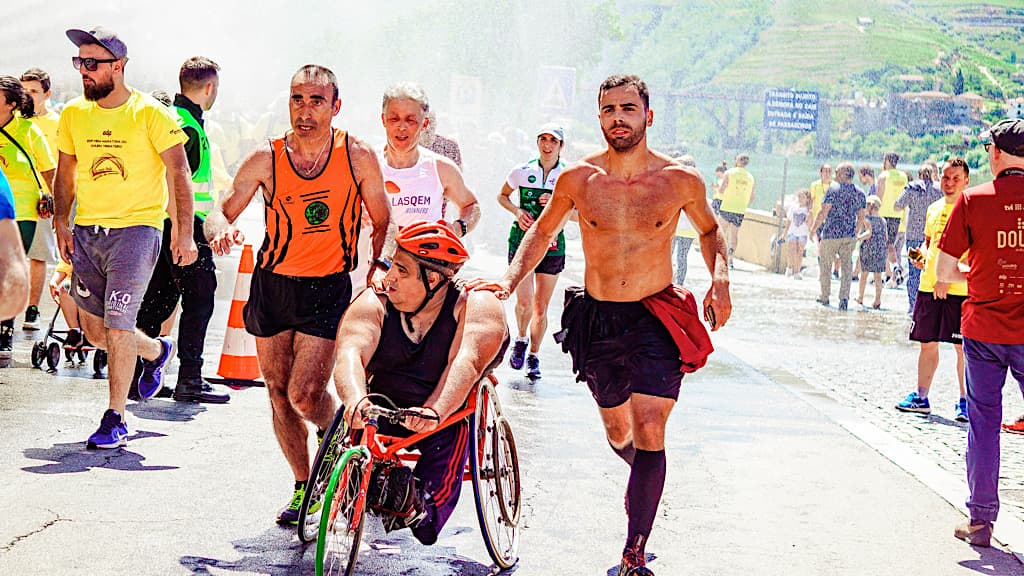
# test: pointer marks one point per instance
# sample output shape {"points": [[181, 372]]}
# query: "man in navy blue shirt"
{"points": [[836, 225], [13, 268]]}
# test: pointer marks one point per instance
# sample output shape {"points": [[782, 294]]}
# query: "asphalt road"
{"points": [[760, 482]]}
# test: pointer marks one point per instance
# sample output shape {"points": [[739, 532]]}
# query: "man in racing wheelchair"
{"points": [[423, 343]]}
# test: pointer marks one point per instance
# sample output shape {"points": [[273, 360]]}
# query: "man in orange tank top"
{"points": [[315, 181]]}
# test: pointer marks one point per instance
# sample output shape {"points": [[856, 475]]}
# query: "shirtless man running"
{"points": [[314, 181], [629, 198]]}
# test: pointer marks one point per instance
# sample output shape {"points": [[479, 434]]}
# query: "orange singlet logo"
{"points": [[391, 187]]}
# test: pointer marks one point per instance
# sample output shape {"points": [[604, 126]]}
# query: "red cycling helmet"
{"points": [[432, 241]]}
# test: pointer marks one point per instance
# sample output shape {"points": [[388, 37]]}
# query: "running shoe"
{"points": [[914, 403], [961, 410], [634, 559], [289, 515], [532, 366], [152, 377], [518, 354], [31, 319], [1016, 428], [844, 305], [112, 433], [6, 339]]}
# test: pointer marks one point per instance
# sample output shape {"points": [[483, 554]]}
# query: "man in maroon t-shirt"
{"points": [[988, 223]]}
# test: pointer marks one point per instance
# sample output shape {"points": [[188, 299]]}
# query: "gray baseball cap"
{"points": [[553, 129], [102, 36]]}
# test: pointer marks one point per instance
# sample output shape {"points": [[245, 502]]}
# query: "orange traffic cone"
{"points": [[238, 364]]}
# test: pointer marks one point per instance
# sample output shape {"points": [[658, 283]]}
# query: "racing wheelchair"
{"points": [[337, 496]]}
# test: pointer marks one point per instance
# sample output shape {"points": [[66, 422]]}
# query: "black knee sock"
{"points": [[627, 453], [646, 482]]}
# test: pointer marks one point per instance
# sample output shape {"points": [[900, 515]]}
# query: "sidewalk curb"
{"points": [[1009, 530]]}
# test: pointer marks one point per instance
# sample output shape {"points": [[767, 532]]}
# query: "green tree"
{"points": [[958, 81]]}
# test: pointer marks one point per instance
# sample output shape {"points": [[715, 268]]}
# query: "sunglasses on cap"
{"points": [[90, 63]]}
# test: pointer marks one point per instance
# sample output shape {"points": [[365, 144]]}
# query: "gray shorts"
{"points": [[112, 267], [44, 242]]}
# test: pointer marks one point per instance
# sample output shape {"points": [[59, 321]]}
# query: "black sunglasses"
{"points": [[988, 146], [90, 63]]}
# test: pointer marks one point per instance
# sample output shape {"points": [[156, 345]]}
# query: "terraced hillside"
{"points": [[870, 46]]}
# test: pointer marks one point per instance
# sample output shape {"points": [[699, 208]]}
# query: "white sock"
{"points": [[523, 339]]}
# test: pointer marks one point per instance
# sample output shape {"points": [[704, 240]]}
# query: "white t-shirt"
{"points": [[798, 216]]}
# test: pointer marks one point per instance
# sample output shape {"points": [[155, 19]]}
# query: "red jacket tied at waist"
{"points": [[676, 308]]}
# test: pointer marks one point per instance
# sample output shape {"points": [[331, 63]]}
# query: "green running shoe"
{"points": [[289, 516]]}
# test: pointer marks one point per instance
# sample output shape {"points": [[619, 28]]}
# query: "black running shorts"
{"points": [[619, 348], [312, 306], [549, 265], [937, 320]]}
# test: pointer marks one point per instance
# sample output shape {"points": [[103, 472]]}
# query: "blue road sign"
{"points": [[791, 110]]}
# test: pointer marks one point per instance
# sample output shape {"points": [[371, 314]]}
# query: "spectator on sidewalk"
{"points": [[938, 306], [13, 266], [835, 227], [889, 186], [915, 200], [872, 250], [685, 235], [797, 232], [716, 187], [986, 224], [737, 191], [818, 189], [43, 250], [867, 180], [28, 164]]}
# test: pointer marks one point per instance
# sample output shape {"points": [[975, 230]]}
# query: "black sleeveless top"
{"points": [[406, 371]]}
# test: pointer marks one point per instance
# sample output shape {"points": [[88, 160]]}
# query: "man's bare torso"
{"points": [[627, 223]]}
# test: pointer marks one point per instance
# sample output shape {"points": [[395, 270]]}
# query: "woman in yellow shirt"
{"points": [[27, 162]]}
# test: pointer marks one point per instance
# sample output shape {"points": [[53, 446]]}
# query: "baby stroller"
{"points": [[50, 347]]}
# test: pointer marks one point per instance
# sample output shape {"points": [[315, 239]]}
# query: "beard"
{"points": [[625, 143], [97, 91]]}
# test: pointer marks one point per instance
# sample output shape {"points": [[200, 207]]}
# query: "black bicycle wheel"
{"points": [[493, 461], [330, 450], [341, 528]]}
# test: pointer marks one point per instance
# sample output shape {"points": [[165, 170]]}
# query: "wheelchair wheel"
{"points": [[38, 354], [53, 355], [341, 524], [495, 469], [331, 448], [99, 361]]}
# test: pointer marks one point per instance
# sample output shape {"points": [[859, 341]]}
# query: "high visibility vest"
{"points": [[202, 178]]}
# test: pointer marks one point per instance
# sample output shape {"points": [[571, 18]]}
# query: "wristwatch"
{"points": [[463, 227], [383, 263]]}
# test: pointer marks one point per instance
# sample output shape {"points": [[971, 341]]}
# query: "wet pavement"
{"points": [[763, 477]]}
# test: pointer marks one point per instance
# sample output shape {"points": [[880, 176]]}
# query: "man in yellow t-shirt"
{"points": [[889, 185], [43, 250], [938, 305], [737, 192], [818, 189], [116, 146]]}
